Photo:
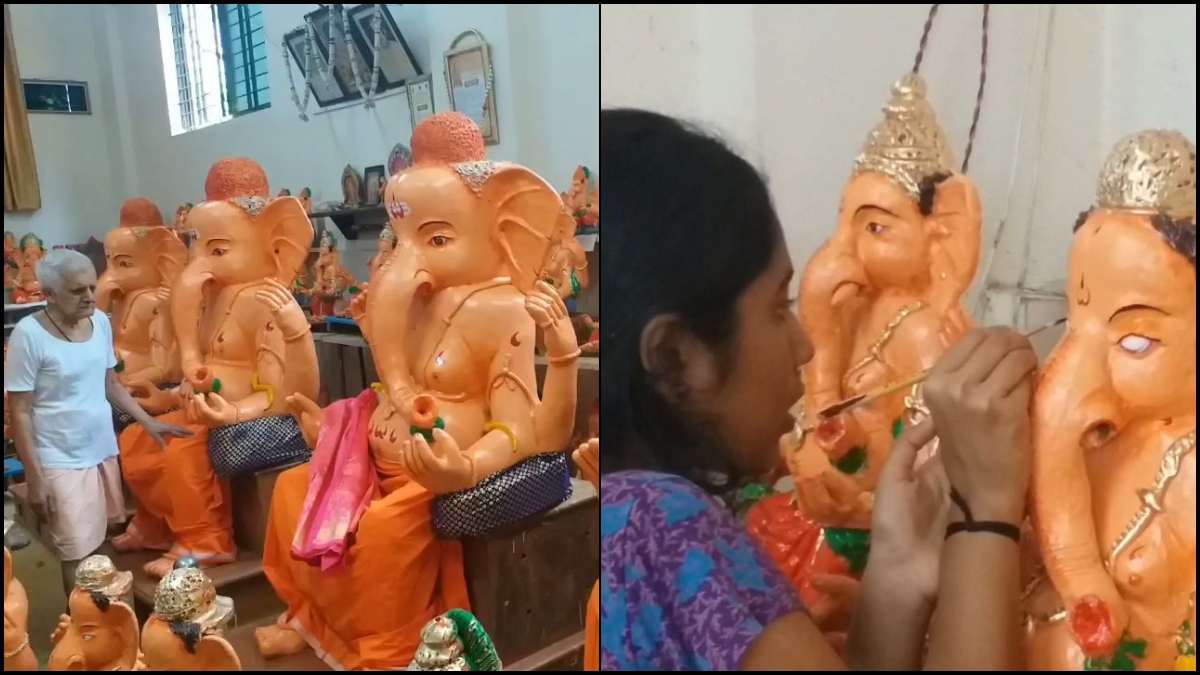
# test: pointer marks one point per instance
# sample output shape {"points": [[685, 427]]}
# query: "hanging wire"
{"points": [[933, 10], [983, 56]]}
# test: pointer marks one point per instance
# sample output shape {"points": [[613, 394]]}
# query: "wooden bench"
{"points": [[530, 584]]}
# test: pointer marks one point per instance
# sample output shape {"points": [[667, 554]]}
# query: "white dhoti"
{"points": [[86, 502]]}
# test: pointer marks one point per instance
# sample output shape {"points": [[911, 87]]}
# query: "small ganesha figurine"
{"points": [[27, 288], [101, 632], [582, 199], [186, 631], [455, 641], [305, 197]]}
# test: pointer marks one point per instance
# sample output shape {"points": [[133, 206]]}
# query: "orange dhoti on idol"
{"points": [[362, 543], [244, 348]]}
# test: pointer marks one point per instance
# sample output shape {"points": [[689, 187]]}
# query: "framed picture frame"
{"points": [[343, 73], [326, 93], [374, 178], [397, 63], [61, 97], [420, 99], [470, 83]]}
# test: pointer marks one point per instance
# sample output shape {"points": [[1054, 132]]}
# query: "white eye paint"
{"points": [[1135, 344]]}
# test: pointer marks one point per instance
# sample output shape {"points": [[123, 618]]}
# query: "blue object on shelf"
{"points": [[570, 303], [13, 468], [340, 321]]}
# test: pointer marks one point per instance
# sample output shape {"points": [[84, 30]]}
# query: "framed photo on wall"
{"points": [[397, 64], [374, 178], [469, 79], [420, 98], [326, 92]]}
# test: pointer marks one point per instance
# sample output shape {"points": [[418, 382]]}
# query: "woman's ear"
{"points": [[681, 365]]}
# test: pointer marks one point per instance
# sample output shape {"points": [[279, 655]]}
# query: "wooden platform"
{"points": [[243, 580], [242, 639], [530, 584]]}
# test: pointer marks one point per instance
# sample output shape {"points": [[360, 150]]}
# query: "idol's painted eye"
{"points": [[1136, 344], [439, 241], [875, 228]]}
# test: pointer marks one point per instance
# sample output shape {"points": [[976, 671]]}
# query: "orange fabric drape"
{"points": [[21, 191]]}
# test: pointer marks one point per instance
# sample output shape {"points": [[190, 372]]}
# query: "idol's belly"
{"points": [[388, 431]]}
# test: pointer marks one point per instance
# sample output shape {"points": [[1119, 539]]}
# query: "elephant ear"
{"points": [[125, 623], [170, 254], [287, 229], [527, 212], [214, 653], [956, 223]]}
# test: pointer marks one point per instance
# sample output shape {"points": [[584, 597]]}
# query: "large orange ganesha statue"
{"points": [[144, 259], [245, 347], [1114, 428], [455, 441], [881, 299]]}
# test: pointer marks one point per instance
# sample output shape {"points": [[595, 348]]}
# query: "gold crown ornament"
{"points": [[98, 574], [1150, 172], [388, 234], [187, 595], [907, 145]]}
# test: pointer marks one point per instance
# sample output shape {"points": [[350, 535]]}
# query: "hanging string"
{"points": [[933, 10], [983, 55]]}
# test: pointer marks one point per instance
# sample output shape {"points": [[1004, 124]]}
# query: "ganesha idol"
{"points": [[187, 630], [880, 300], [331, 281], [244, 348], [582, 200], [383, 251], [18, 655], [101, 631], [1113, 490], [26, 287], [455, 441], [143, 260]]}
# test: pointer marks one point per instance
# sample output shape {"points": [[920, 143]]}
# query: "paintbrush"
{"points": [[896, 385]]}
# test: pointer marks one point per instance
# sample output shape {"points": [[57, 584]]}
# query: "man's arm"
{"points": [[118, 395], [22, 429]]}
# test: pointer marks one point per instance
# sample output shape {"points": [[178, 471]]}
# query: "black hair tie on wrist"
{"points": [[971, 525]]}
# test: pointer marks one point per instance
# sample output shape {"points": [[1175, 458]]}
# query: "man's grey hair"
{"points": [[58, 264]]}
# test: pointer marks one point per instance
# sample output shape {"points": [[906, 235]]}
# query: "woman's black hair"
{"points": [[688, 226]]}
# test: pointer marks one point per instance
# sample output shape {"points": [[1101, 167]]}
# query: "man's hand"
{"points": [[159, 431], [41, 500]]}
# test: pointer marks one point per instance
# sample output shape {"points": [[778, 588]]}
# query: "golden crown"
{"points": [[908, 145], [388, 234], [188, 595], [1151, 171], [97, 573]]}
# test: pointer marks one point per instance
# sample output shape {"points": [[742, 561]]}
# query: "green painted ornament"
{"points": [[427, 433], [852, 462], [853, 546]]}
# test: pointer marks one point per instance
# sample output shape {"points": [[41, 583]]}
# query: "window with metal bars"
{"points": [[215, 63]]}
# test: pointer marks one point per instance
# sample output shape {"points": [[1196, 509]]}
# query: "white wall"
{"points": [[78, 157], [797, 87], [544, 59]]}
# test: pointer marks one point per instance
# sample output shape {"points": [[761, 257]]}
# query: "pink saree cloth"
{"points": [[341, 483]]}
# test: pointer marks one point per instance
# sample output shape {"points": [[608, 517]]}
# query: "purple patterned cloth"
{"points": [[683, 586]]}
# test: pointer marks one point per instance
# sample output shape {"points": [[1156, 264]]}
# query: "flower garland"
{"points": [[308, 70], [377, 44]]}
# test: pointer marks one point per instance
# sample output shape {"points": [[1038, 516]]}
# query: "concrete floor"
{"points": [[36, 567]]}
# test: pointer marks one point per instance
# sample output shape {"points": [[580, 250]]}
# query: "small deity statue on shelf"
{"points": [[591, 344], [387, 244], [332, 281], [567, 267], [582, 199], [27, 289]]}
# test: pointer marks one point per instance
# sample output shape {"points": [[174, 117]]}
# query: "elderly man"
{"points": [[60, 380]]}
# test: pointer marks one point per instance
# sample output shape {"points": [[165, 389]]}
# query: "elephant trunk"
{"points": [[833, 278], [389, 303], [1075, 411], [187, 302], [107, 291]]}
